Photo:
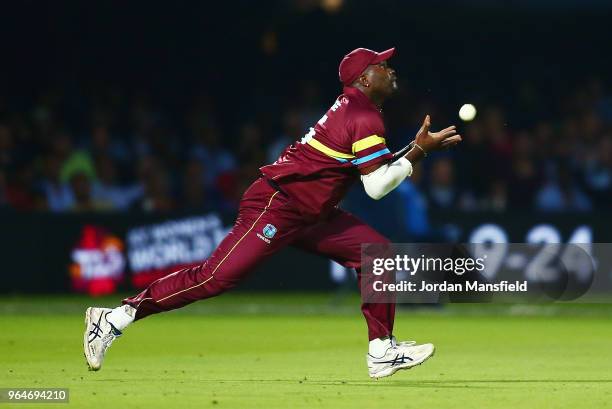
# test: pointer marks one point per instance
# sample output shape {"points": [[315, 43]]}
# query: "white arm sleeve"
{"points": [[386, 178]]}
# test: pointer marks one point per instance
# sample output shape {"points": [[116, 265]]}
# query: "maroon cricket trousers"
{"points": [[338, 237]]}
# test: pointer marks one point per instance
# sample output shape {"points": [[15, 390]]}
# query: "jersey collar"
{"points": [[361, 97]]}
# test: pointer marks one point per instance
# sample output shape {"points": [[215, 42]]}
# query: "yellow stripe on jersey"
{"points": [[366, 143], [328, 151]]}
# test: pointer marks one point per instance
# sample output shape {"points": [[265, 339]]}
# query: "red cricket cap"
{"points": [[354, 63]]}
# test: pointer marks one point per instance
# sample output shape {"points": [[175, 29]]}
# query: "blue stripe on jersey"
{"points": [[370, 156]]}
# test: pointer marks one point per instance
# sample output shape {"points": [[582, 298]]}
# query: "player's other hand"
{"points": [[434, 141]]}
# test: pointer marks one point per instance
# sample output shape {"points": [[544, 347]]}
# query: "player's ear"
{"points": [[363, 80]]}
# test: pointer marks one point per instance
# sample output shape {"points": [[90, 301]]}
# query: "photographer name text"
{"points": [[445, 286]]}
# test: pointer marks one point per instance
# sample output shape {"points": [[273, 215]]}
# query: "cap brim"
{"points": [[384, 56]]}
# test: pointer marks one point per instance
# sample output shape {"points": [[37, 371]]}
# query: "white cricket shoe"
{"points": [[99, 335], [403, 355]]}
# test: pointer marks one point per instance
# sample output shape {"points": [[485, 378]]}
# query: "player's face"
{"points": [[383, 79]]}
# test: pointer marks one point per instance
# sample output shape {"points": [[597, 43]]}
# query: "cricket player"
{"points": [[295, 202]]}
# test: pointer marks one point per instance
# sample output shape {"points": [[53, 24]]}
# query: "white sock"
{"points": [[378, 347], [122, 316]]}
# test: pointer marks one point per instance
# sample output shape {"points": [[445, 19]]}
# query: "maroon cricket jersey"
{"points": [[318, 170]]}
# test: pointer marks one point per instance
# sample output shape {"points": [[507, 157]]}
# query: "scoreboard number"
{"points": [[553, 258]]}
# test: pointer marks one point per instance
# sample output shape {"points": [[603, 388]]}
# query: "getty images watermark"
{"points": [[486, 272], [422, 264]]}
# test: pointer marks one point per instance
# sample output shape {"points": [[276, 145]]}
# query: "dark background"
{"points": [[448, 52], [123, 112]]}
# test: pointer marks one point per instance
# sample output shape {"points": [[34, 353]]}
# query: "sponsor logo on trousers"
{"points": [[263, 238]]}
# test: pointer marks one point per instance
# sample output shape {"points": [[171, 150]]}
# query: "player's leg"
{"points": [[264, 225], [340, 239], [243, 248]]}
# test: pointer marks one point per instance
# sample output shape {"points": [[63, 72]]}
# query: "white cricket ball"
{"points": [[467, 112]]}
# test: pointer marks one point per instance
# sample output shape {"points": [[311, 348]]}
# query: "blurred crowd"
{"points": [[126, 153], [559, 163]]}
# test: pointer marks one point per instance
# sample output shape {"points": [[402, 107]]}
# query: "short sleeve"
{"points": [[368, 141]]}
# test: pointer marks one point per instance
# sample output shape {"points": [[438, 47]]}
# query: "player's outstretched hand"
{"points": [[434, 141]]}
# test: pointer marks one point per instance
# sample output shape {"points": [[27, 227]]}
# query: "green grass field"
{"points": [[299, 351]]}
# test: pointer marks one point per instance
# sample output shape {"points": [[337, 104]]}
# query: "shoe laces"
{"points": [[399, 348]]}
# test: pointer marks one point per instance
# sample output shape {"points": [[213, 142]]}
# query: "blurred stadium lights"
{"points": [[269, 42], [332, 6]]}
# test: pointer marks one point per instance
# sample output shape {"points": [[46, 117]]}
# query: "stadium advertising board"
{"points": [[128, 251]]}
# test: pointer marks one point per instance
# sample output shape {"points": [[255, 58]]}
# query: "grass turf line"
{"points": [[303, 352]]}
